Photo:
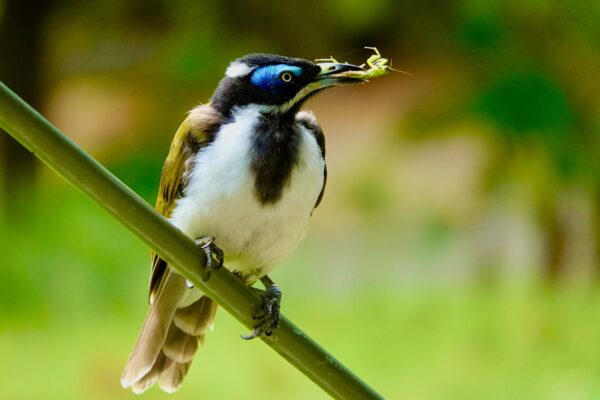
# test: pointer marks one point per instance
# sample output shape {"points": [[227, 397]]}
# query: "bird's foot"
{"points": [[268, 315], [207, 244]]}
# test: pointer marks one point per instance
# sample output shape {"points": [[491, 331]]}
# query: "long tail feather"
{"points": [[169, 338], [154, 330], [151, 377], [179, 346], [196, 318], [172, 375]]}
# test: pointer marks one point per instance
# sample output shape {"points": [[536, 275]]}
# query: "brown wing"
{"points": [[196, 132]]}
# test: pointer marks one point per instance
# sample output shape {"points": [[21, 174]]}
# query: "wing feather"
{"points": [[195, 133]]}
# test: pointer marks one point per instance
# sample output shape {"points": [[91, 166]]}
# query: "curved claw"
{"points": [[268, 314], [207, 244]]}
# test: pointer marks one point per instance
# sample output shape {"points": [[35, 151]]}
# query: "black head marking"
{"points": [[264, 84]]}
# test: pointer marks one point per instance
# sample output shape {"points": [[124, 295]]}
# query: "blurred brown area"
{"points": [[481, 168], [21, 69]]}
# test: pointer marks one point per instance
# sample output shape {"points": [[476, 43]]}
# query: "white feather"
{"points": [[220, 200], [238, 69]]}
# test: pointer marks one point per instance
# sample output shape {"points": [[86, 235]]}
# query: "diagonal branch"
{"points": [[69, 161]]}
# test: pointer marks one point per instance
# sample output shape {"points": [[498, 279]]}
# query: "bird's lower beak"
{"points": [[337, 74]]}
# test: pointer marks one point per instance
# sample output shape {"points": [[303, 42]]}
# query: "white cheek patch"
{"points": [[238, 69]]}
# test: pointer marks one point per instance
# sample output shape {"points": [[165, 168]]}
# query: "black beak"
{"points": [[333, 73]]}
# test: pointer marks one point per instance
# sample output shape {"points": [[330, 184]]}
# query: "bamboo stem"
{"points": [[51, 146]]}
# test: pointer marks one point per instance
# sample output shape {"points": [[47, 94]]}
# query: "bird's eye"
{"points": [[286, 77]]}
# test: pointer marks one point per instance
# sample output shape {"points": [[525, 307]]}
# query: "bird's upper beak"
{"points": [[336, 74]]}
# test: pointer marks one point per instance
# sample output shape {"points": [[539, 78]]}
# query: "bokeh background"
{"points": [[455, 254]]}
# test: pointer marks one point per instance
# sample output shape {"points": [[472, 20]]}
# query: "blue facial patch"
{"points": [[269, 77]]}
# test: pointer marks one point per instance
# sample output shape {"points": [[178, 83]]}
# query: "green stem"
{"points": [[69, 161]]}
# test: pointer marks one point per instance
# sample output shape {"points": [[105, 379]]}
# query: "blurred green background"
{"points": [[455, 254]]}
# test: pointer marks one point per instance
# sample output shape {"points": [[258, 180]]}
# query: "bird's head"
{"points": [[275, 83]]}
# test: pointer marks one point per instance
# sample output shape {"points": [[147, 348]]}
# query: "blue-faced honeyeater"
{"points": [[243, 175]]}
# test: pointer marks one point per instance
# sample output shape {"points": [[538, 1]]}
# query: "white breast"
{"points": [[220, 200]]}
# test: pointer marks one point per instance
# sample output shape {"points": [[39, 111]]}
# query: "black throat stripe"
{"points": [[275, 146]]}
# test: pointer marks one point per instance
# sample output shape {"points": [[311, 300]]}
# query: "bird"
{"points": [[243, 175]]}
